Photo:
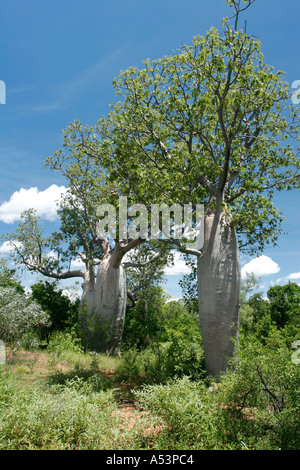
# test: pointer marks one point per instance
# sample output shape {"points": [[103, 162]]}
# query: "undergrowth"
{"points": [[64, 398]]}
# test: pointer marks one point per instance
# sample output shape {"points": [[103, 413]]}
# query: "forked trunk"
{"points": [[110, 300], [219, 279]]}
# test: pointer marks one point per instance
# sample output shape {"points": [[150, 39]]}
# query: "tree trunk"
{"points": [[88, 294], [219, 279], [110, 299]]}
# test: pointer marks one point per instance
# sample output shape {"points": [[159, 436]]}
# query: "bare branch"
{"points": [[131, 297], [127, 246], [131, 264], [182, 248]]}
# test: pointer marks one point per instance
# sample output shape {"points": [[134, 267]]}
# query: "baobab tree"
{"points": [[211, 124], [78, 249]]}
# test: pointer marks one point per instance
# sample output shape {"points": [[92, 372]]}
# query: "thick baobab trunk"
{"points": [[110, 299], [219, 292], [88, 291]]}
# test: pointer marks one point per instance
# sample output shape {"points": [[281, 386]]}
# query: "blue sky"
{"points": [[58, 60]]}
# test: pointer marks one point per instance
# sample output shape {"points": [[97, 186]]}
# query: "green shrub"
{"points": [[19, 316], [62, 341], [163, 361], [145, 321], [254, 405], [263, 387], [174, 343], [70, 410], [67, 418], [94, 332], [63, 313], [175, 358], [188, 410]]}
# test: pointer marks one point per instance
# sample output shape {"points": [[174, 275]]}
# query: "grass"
{"points": [[65, 399], [70, 401]]}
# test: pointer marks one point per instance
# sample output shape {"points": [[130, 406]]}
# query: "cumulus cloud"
{"points": [[293, 277], [260, 266], [43, 201], [7, 247], [179, 267], [77, 263]]}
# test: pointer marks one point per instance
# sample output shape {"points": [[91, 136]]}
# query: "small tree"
{"points": [[62, 312], [285, 304], [8, 277], [19, 315]]}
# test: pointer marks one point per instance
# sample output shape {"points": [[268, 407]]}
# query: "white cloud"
{"points": [[286, 279], [7, 247], [260, 266], [77, 264], [293, 276], [179, 267], [43, 201], [174, 299]]}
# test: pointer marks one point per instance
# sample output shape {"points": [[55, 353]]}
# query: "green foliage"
{"points": [[63, 418], [94, 332], [72, 409], [66, 340], [264, 385], [176, 357], [187, 409], [260, 316], [19, 316], [144, 321], [8, 277], [253, 406], [63, 313], [189, 288], [164, 344], [211, 119], [260, 306], [285, 304]]}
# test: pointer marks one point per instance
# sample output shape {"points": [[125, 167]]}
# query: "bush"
{"points": [[173, 338], [266, 380], [145, 321], [188, 410], [175, 358], [163, 361], [94, 332], [71, 417], [63, 313], [65, 341], [19, 316], [254, 405]]}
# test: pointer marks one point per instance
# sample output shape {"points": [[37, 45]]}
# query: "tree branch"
{"points": [[127, 246], [131, 264]]}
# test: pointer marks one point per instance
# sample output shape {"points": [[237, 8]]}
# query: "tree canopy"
{"points": [[213, 123]]}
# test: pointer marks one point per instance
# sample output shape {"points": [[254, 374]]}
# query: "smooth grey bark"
{"points": [[88, 290], [219, 282], [103, 303], [103, 306], [110, 299]]}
